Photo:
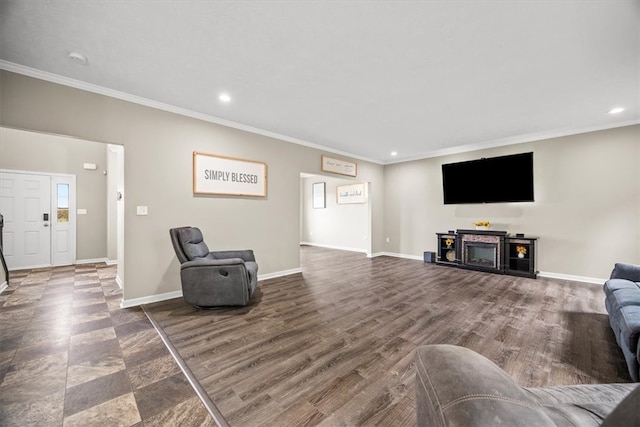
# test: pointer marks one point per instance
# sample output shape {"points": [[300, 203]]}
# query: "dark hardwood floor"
{"points": [[335, 345]]}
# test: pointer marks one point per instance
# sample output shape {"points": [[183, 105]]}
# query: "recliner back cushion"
{"points": [[193, 244]]}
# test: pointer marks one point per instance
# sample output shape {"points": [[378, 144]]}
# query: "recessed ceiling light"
{"points": [[394, 153], [616, 110], [224, 97], [77, 57]]}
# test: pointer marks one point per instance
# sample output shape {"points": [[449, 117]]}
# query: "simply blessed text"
{"points": [[217, 175]]}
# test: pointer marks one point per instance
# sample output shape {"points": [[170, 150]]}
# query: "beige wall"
{"points": [[586, 210], [38, 152], [158, 174]]}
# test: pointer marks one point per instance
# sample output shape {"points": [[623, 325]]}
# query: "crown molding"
{"points": [[100, 90], [519, 139], [77, 84]]}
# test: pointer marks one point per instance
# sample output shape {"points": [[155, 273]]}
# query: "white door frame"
{"points": [[55, 228]]}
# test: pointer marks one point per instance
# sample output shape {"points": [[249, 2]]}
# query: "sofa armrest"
{"points": [[245, 254], [457, 387], [626, 271]]}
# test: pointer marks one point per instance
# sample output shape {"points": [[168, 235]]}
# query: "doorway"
{"points": [[325, 222], [39, 219]]}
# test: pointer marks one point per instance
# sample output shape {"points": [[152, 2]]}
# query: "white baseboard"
{"points": [[119, 281], [340, 248], [571, 277], [112, 262], [279, 274], [30, 267], [3, 287], [150, 299], [396, 255]]}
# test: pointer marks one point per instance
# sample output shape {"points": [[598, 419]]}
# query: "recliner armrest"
{"points": [[245, 254], [626, 271], [212, 263]]}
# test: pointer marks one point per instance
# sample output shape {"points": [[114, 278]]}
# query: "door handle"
{"points": [[45, 218]]}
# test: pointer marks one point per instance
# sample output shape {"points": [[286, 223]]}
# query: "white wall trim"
{"points": [[397, 255], [340, 248], [54, 78], [150, 299], [518, 139], [279, 274], [92, 261], [573, 278], [32, 267], [3, 286], [119, 282], [65, 81], [112, 262]]}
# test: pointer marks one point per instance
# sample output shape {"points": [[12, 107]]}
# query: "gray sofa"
{"points": [[456, 386], [213, 278], [622, 301]]}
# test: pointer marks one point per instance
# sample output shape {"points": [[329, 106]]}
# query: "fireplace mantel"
{"points": [[492, 251]]}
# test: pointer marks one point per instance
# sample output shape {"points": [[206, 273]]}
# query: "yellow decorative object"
{"points": [[522, 250], [482, 225], [448, 242]]}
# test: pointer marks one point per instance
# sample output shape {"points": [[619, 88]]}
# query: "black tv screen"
{"points": [[489, 180]]}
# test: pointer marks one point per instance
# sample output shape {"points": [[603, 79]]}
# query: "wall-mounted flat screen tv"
{"points": [[489, 180]]}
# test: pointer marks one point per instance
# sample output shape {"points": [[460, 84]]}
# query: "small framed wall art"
{"points": [[319, 200], [351, 193], [341, 167], [213, 174]]}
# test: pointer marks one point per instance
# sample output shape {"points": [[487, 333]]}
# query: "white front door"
{"points": [[39, 219], [25, 203]]}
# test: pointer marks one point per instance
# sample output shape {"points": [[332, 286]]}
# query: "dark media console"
{"points": [[488, 250]]}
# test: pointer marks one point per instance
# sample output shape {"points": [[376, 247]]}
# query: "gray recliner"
{"points": [[213, 279]]}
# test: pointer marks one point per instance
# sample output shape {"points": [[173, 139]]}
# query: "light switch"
{"points": [[81, 211], [141, 210]]}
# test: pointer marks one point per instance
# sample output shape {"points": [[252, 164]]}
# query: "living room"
{"points": [[586, 212]]}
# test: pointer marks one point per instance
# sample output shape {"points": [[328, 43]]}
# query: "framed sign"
{"points": [[352, 193], [341, 167], [318, 195], [214, 174]]}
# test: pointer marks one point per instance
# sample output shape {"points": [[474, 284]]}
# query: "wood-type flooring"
{"points": [[335, 345]]}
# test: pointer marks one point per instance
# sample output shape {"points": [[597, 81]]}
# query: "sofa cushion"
{"points": [[613, 285]]}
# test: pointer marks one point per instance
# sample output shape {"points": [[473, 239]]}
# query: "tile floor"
{"points": [[70, 356]]}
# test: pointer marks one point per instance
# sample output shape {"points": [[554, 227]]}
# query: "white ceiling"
{"points": [[360, 78]]}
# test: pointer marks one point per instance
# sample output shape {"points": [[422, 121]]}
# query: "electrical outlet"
{"points": [[388, 240]]}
